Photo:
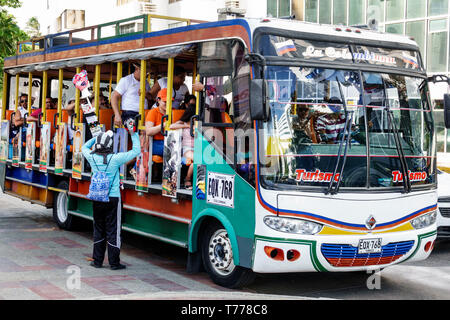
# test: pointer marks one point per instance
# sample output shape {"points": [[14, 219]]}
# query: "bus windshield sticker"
{"points": [[337, 52], [387, 57], [220, 189], [397, 176], [316, 176], [285, 47]]}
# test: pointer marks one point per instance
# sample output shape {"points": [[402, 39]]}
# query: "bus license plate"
{"points": [[369, 245]]}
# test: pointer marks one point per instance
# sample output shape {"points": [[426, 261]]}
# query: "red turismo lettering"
{"points": [[315, 176], [397, 176]]}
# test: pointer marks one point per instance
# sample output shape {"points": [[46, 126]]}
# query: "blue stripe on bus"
{"points": [[112, 40]]}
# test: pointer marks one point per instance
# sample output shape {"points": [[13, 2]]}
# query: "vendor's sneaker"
{"points": [[118, 267]]}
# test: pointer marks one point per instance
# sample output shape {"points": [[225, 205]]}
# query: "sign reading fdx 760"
{"points": [[220, 189]]}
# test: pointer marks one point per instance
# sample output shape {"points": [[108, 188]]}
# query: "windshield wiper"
{"points": [[347, 130], [398, 144]]}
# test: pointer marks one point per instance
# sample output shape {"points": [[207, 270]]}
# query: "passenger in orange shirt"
{"points": [[153, 122]]}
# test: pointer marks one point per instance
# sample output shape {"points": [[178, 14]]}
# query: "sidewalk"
{"points": [[40, 261]]}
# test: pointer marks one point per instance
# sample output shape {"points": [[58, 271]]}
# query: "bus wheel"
{"points": [[60, 211], [218, 261]]}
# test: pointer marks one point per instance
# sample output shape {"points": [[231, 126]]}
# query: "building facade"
{"points": [[427, 21]]}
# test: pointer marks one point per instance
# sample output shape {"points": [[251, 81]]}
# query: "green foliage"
{"points": [[10, 3], [33, 27], [10, 33]]}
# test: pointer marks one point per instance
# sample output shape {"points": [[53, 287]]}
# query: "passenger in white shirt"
{"points": [[180, 89], [128, 89]]}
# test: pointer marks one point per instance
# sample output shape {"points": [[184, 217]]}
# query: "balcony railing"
{"points": [[95, 33]]}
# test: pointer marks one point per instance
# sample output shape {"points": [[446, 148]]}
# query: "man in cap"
{"points": [[107, 215]]}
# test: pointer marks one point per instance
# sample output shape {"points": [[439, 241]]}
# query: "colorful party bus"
{"points": [[314, 145]]}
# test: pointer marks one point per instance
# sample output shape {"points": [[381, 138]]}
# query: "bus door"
{"points": [[214, 147], [222, 188]]}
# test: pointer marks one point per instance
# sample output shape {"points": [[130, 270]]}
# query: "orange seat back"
{"points": [[105, 117], [8, 114], [65, 116], [177, 114], [49, 116]]}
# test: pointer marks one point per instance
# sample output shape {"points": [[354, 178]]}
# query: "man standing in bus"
{"points": [[128, 89], [179, 87]]}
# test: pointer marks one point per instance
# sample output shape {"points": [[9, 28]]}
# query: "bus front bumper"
{"points": [[340, 253]]}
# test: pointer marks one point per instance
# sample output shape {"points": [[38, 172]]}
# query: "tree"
{"points": [[33, 27], [10, 33]]}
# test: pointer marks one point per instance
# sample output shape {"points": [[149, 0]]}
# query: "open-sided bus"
{"points": [[324, 161]]}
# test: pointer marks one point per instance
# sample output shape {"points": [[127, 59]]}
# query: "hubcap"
{"points": [[220, 253], [62, 207]]}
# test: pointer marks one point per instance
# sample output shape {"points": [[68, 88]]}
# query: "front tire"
{"points": [[218, 259], [60, 207]]}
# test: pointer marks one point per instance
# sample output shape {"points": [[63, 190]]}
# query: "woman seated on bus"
{"points": [[153, 123], [188, 140]]}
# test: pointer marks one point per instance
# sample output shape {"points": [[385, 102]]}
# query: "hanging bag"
{"points": [[100, 185]]}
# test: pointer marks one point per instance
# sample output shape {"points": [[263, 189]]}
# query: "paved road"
{"points": [[40, 261]]}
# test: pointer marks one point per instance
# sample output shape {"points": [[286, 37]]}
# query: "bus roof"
{"points": [[331, 30], [50, 51]]}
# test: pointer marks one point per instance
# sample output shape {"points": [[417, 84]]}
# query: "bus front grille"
{"points": [[344, 255]]}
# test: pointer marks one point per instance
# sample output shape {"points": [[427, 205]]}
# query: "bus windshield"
{"points": [[319, 116]]}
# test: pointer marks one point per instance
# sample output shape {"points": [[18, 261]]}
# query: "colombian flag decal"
{"points": [[285, 47]]}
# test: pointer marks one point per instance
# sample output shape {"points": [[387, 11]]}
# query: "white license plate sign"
{"points": [[220, 189], [369, 245]]}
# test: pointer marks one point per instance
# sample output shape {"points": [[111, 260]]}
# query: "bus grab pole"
{"points": [[143, 83], [30, 91], [60, 93], [17, 92], [170, 70], [77, 101], [44, 95], [4, 97], [97, 89]]}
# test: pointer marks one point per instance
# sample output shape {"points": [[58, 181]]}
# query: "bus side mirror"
{"points": [[447, 110], [258, 101]]}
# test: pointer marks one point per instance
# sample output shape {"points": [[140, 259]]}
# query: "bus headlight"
{"points": [[424, 220], [290, 225]]}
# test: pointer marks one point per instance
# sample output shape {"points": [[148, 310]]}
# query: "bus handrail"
{"points": [[96, 30], [117, 29]]}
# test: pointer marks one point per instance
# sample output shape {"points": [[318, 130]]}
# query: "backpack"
{"points": [[100, 185]]}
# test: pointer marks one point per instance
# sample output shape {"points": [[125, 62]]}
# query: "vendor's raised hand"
{"points": [[117, 120]]}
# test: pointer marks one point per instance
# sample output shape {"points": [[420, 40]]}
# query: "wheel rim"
{"points": [[62, 207], [220, 253]]}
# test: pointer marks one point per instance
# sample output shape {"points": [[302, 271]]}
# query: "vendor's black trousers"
{"points": [[107, 226]]}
